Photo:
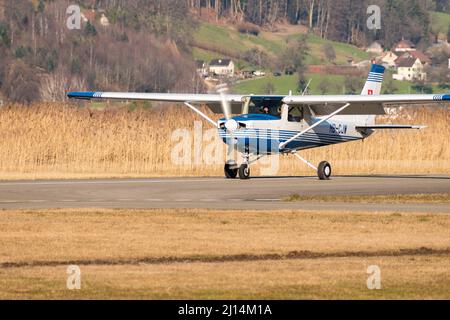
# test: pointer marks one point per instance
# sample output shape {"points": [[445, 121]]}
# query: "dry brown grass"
{"points": [[394, 198], [116, 251], [422, 277], [64, 235], [59, 141]]}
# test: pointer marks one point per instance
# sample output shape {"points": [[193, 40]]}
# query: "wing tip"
{"points": [[81, 95]]}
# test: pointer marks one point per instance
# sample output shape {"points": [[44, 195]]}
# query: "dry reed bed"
{"points": [[59, 140]]}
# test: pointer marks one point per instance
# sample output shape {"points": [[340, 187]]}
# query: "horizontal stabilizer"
{"points": [[389, 126]]}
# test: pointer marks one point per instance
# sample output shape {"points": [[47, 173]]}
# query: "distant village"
{"points": [[406, 62], [223, 69]]}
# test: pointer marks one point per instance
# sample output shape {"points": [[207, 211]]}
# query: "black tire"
{"points": [[324, 171], [231, 170], [244, 172]]}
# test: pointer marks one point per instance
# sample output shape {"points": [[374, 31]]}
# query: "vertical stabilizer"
{"points": [[374, 81], [372, 88]]}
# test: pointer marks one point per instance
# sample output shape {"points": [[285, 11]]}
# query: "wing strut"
{"points": [[318, 123], [309, 164], [201, 114]]}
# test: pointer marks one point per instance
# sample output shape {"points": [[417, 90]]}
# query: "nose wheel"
{"points": [[231, 170]]}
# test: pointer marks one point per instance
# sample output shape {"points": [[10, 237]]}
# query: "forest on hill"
{"points": [[147, 44], [340, 20]]}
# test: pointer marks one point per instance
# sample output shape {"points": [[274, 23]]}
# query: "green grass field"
{"points": [[221, 38], [440, 22]]}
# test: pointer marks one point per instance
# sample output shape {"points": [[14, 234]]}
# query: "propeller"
{"points": [[230, 125]]}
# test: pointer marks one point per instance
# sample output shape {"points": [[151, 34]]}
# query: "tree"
{"points": [[294, 55], [389, 86], [90, 30], [269, 88], [21, 83], [324, 86], [4, 35], [422, 86], [352, 85], [302, 82], [330, 54], [41, 6], [258, 58], [443, 76]]}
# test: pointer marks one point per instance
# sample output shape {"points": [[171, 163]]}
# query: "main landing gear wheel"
{"points": [[324, 171], [244, 172], [231, 170]]}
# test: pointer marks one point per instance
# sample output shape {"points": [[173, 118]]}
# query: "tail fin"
{"points": [[374, 81], [371, 88]]}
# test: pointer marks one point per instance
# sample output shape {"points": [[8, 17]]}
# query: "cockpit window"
{"points": [[296, 114], [270, 110], [266, 105]]}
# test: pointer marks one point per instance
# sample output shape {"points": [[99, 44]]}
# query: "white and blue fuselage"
{"points": [[261, 134]]}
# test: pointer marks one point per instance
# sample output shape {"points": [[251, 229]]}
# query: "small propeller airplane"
{"points": [[278, 124]]}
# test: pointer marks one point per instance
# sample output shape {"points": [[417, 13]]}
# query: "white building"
{"points": [[388, 59], [409, 69], [222, 67], [405, 46], [375, 47]]}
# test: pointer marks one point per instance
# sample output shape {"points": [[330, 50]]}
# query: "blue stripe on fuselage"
{"points": [[256, 139]]}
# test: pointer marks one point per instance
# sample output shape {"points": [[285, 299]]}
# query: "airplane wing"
{"points": [[213, 101], [362, 105], [320, 105]]}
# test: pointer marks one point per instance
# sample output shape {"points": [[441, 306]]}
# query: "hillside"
{"points": [[213, 41], [151, 48], [218, 40], [440, 22]]}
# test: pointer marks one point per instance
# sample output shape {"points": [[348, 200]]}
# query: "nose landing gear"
{"points": [[232, 170]]}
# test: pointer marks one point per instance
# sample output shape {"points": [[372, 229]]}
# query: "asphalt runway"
{"points": [[219, 193]]}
